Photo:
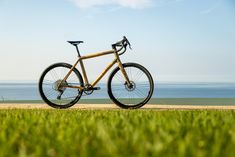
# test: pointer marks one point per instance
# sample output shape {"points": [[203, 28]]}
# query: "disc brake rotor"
{"points": [[130, 87]]}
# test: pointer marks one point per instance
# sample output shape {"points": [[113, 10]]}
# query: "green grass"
{"points": [[161, 101], [108, 133], [195, 101]]}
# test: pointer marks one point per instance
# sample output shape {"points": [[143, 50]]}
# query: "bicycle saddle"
{"points": [[75, 42]]}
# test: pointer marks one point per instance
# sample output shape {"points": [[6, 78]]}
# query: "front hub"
{"points": [[131, 87]]}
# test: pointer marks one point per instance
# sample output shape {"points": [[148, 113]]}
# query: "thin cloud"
{"points": [[134, 4], [212, 8]]}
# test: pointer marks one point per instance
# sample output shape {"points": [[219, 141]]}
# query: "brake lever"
{"points": [[127, 42], [130, 46]]}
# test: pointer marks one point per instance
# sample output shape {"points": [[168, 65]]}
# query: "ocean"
{"points": [[29, 91]]}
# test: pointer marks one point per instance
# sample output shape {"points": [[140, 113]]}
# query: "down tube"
{"points": [[104, 72]]}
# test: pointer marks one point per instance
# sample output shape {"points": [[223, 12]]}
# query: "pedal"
{"points": [[96, 88]]}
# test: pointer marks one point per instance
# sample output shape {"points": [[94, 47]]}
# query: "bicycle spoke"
{"points": [[53, 85], [137, 93], [119, 78]]}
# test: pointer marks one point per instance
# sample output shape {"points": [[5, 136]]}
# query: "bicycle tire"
{"points": [[135, 102], [42, 89]]}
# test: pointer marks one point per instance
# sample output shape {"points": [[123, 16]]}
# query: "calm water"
{"points": [[29, 91]]}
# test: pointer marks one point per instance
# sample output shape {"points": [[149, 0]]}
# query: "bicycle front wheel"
{"points": [[135, 95], [54, 90]]}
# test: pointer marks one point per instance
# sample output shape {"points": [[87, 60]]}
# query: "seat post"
{"points": [[77, 51]]}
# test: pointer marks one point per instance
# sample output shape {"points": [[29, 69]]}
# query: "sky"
{"points": [[176, 40]]}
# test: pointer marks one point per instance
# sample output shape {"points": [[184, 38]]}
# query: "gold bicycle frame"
{"points": [[81, 58]]}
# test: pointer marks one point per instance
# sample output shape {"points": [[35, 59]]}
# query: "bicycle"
{"points": [[130, 85]]}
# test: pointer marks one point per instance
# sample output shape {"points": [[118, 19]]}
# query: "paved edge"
{"points": [[113, 106]]}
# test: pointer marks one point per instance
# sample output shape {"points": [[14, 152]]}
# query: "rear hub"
{"points": [[59, 85]]}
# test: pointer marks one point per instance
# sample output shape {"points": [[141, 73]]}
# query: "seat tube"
{"points": [[84, 72], [82, 66], [122, 69]]}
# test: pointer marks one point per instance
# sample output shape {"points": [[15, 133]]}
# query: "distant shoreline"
{"points": [[159, 101], [29, 91], [155, 82]]}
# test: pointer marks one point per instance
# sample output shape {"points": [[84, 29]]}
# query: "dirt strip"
{"points": [[112, 106]]}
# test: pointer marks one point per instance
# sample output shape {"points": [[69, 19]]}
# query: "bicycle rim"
{"points": [[51, 86], [138, 93]]}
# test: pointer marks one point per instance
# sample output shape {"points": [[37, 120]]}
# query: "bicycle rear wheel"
{"points": [[135, 95], [52, 87]]}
